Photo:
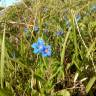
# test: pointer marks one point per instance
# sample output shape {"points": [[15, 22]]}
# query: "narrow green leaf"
{"points": [[64, 48], [58, 70], [90, 84], [2, 58], [39, 78], [91, 48]]}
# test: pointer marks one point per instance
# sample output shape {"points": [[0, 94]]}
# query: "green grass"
{"points": [[71, 68], [2, 58]]}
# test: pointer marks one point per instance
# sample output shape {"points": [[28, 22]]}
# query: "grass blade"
{"points": [[90, 84], [64, 47], [91, 48], [2, 58]]}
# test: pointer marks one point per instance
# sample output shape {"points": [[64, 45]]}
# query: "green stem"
{"points": [[63, 51]]}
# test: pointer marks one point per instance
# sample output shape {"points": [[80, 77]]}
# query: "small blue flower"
{"points": [[46, 51], [35, 28], [60, 32], [46, 30], [25, 29], [78, 17], [67, 22], [93, 8], [38, 46]]}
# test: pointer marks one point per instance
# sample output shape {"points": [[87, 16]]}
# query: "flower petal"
{"points": [[36, 51], [34, 45]]}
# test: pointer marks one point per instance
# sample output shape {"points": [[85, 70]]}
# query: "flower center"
{"points": [[46, 50]]}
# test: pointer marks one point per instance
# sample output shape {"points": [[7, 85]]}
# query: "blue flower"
{"points": [[67, 22], [46, 30], [78, 17], [60, 32], [38, 46], [93, 8], [46, 51], [25, 29], [35, 28]]}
